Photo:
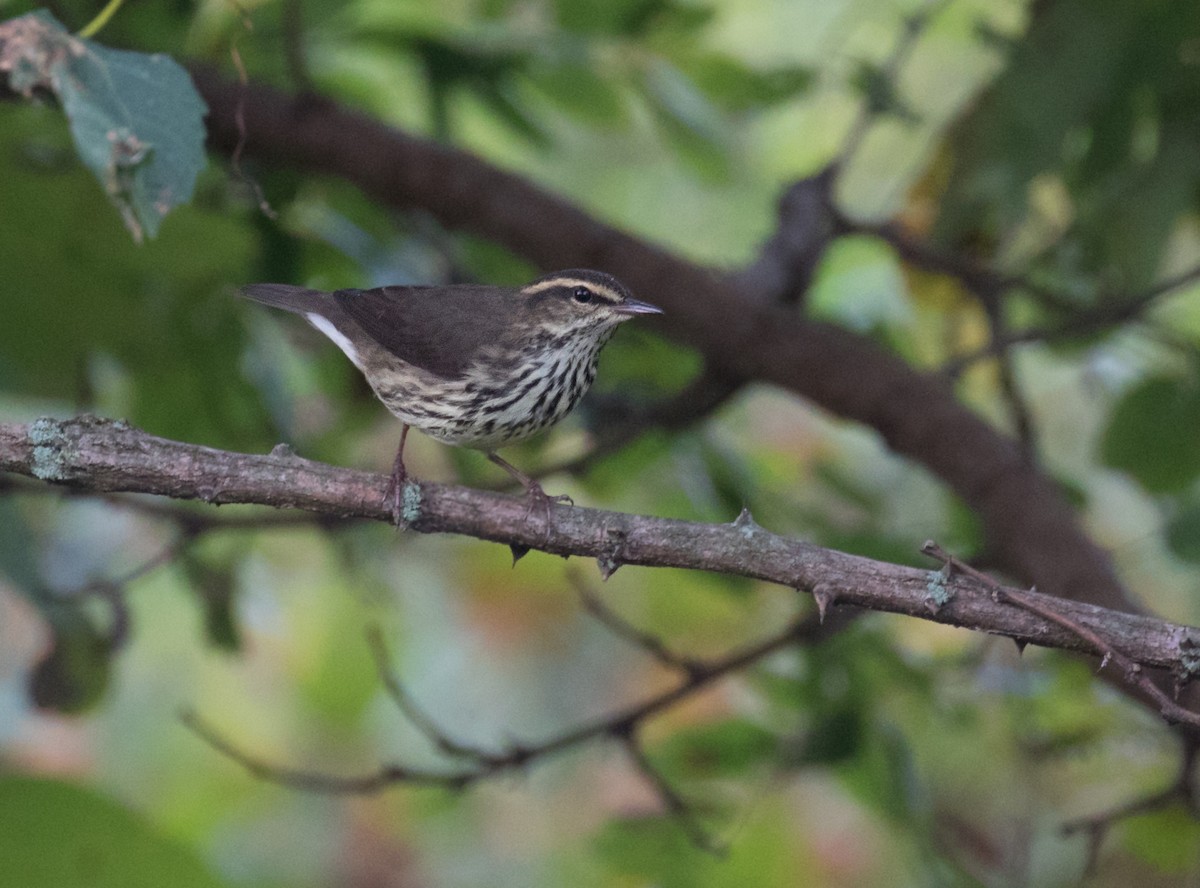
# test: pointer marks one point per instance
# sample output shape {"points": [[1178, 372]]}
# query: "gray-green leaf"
{"points": [[136, 119]]}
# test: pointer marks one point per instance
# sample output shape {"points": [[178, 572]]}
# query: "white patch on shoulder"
{"points": [[326, 327]]}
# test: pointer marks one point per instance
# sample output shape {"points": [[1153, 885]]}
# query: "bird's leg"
{"points": [[533, 490], [395, 488]]}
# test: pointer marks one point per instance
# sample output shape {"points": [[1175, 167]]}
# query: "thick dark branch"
{"points": [[100, 455], [1031, 529]]}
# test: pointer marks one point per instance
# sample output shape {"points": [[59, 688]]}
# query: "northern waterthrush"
{"points": [[474, 366]]}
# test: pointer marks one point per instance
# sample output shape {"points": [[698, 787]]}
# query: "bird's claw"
{"points": [[393, 498], [539, 498]]}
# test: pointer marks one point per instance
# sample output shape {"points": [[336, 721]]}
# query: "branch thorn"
{"points": [[826, 596], [745, 522], [608, 564]]}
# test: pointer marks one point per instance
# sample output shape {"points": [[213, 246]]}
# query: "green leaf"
{"points": [[737, 87], [652, 849], [136, 119], [879, 89], [580, 92], [1118, 130], [1154, 434], [883, 775], [75, 673], [1167, 839], [724, 749], [609, 17], [18, 548], [160, 316], [836, 737], [215, 589], [688, 119], [55, 835], [1183, 533]]}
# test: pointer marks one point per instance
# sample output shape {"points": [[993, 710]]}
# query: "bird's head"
{"points": [[581, 302]]}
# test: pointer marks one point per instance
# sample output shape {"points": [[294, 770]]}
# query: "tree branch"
{"points": [[1030, 528], [87, 453]]}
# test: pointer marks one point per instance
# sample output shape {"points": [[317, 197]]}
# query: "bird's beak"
{"points": [[637, 307]]}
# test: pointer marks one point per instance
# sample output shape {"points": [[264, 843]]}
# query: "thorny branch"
{"points": [[103, 456]]}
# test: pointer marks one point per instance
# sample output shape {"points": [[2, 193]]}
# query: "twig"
{"points": [[1130, 670], [1010, 387], [1018, 407], [239, 117], [982, 280], [1108, 312], [293, 46], [312, 781], [405, 703], [914, 25], [676, 805], [92, 28], [616, 725], [622, 628], [1180, 789], [112, 590]]}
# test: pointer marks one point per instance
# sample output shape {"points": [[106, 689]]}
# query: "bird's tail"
{"points": [[295, 299]]}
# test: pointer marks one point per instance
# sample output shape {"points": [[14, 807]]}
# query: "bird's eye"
{"points": [[582, 294]]}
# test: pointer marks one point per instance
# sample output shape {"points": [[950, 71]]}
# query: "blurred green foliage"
{"points": [[1056, 141], [54, 834]]}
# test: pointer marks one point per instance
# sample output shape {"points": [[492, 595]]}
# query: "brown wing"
{"points": [[437, 328]]}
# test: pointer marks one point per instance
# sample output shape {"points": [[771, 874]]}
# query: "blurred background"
{"points": [[1053, 141]]}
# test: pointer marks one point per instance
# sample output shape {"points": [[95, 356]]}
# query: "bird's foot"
{"points": [[539, 499], [393, 498]]}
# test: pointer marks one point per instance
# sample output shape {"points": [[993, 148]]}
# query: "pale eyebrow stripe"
{"points": [[600, 290]]}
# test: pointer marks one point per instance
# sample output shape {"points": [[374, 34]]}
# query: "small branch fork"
{"points": [[477, 763], [620, 627], [189, 526], [1181, 790], [1130, 670]]}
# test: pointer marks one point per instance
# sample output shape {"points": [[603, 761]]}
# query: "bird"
{"points": [[471, 365]]}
